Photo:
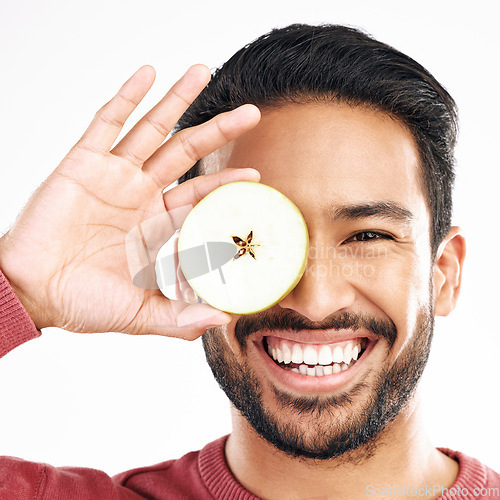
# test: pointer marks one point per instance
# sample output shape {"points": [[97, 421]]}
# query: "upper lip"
{"points": [[316, 336]]}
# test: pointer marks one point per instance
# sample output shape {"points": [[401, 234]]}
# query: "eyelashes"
{"points": [[369, 236]]}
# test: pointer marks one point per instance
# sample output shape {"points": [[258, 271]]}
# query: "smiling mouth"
{"points": [[314, 360]]}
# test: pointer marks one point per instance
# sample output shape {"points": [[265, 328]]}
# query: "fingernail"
{"points": [[222, 321], [243, 116]]}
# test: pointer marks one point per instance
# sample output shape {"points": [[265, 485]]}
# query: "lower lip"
{"points": [[309, 384]]}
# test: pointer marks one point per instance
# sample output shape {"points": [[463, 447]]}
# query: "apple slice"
{"points": [[243, 247]]}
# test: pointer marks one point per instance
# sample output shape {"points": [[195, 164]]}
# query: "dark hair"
{"points": [[302, 63]]}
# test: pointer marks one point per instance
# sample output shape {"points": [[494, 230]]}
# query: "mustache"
{"points": [[290, 320]]}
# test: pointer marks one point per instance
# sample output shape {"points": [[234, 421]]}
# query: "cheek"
{"points": [[396, 282], [229, 338], [224, 347]]}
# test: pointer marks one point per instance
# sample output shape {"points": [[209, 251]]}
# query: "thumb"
{"points": [[176, 318]]}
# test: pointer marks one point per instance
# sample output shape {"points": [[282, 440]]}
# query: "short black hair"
{"points": [[302, 63]]}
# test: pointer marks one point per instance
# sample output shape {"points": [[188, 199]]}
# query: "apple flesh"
{"points": [[256, 245]]}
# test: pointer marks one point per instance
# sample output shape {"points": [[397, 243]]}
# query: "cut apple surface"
{"points": [[243, 247]]}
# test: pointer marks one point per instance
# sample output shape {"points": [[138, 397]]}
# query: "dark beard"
{"points": [[330, 436]]}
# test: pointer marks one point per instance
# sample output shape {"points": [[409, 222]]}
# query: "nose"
{"points": [[325, 287]]}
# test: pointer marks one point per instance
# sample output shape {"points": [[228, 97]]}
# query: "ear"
{"points": [[448, 267]]}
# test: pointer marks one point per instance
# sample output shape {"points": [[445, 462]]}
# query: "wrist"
{"points": [[9, 270]]}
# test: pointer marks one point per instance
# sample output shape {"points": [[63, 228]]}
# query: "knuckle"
{"points": [[105, 117], [189, 337], [221, 130], [127, 100], [161, 129], [133, 158], [83, 146], [196, 192], [189, 148], [180, 97]]}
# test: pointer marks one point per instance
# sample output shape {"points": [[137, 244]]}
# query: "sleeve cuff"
{"points": [[16, 326]]}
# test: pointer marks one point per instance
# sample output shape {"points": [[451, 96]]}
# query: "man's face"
{"points": [[354, 175]]}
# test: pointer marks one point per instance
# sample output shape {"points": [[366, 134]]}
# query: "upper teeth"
{"points": [[286, 351]]}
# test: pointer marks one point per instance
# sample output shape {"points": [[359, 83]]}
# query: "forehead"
{"points": [[327, 153]]}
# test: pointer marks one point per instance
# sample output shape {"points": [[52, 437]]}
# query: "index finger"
{"points": [[188, 146], [109, 120]]}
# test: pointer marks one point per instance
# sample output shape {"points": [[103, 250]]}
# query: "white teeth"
{"points": [[355, 353], [310, 355], [320, 371], [347, 353], [287, 353], [328, 370], [325, 356], [338, 355], [342, 355], [297, 354], [279, 355]]}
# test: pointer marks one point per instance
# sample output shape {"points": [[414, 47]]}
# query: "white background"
{"points": [[114, 401]]}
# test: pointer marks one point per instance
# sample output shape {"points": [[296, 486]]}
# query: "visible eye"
{"points": [[369, 236]]}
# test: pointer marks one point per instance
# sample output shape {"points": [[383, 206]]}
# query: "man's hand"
{"points": [[65, 256]]}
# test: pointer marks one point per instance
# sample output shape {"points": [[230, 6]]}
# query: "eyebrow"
{"points": [[381, 209]]}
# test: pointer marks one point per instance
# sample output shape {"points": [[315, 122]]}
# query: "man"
{"points": [[361, 138]]}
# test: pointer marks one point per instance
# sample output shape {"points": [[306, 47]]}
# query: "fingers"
{"points": [[149, 133], [143, 241], [109, 120], [186, 147], [189, 193]]}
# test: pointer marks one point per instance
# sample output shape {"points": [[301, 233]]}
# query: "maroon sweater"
{"points": [[198, 475]]}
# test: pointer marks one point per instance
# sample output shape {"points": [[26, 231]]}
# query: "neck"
{"points": [[403, 457]]}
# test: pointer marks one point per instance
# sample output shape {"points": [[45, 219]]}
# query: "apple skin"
{"points": [[239, 216]]}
